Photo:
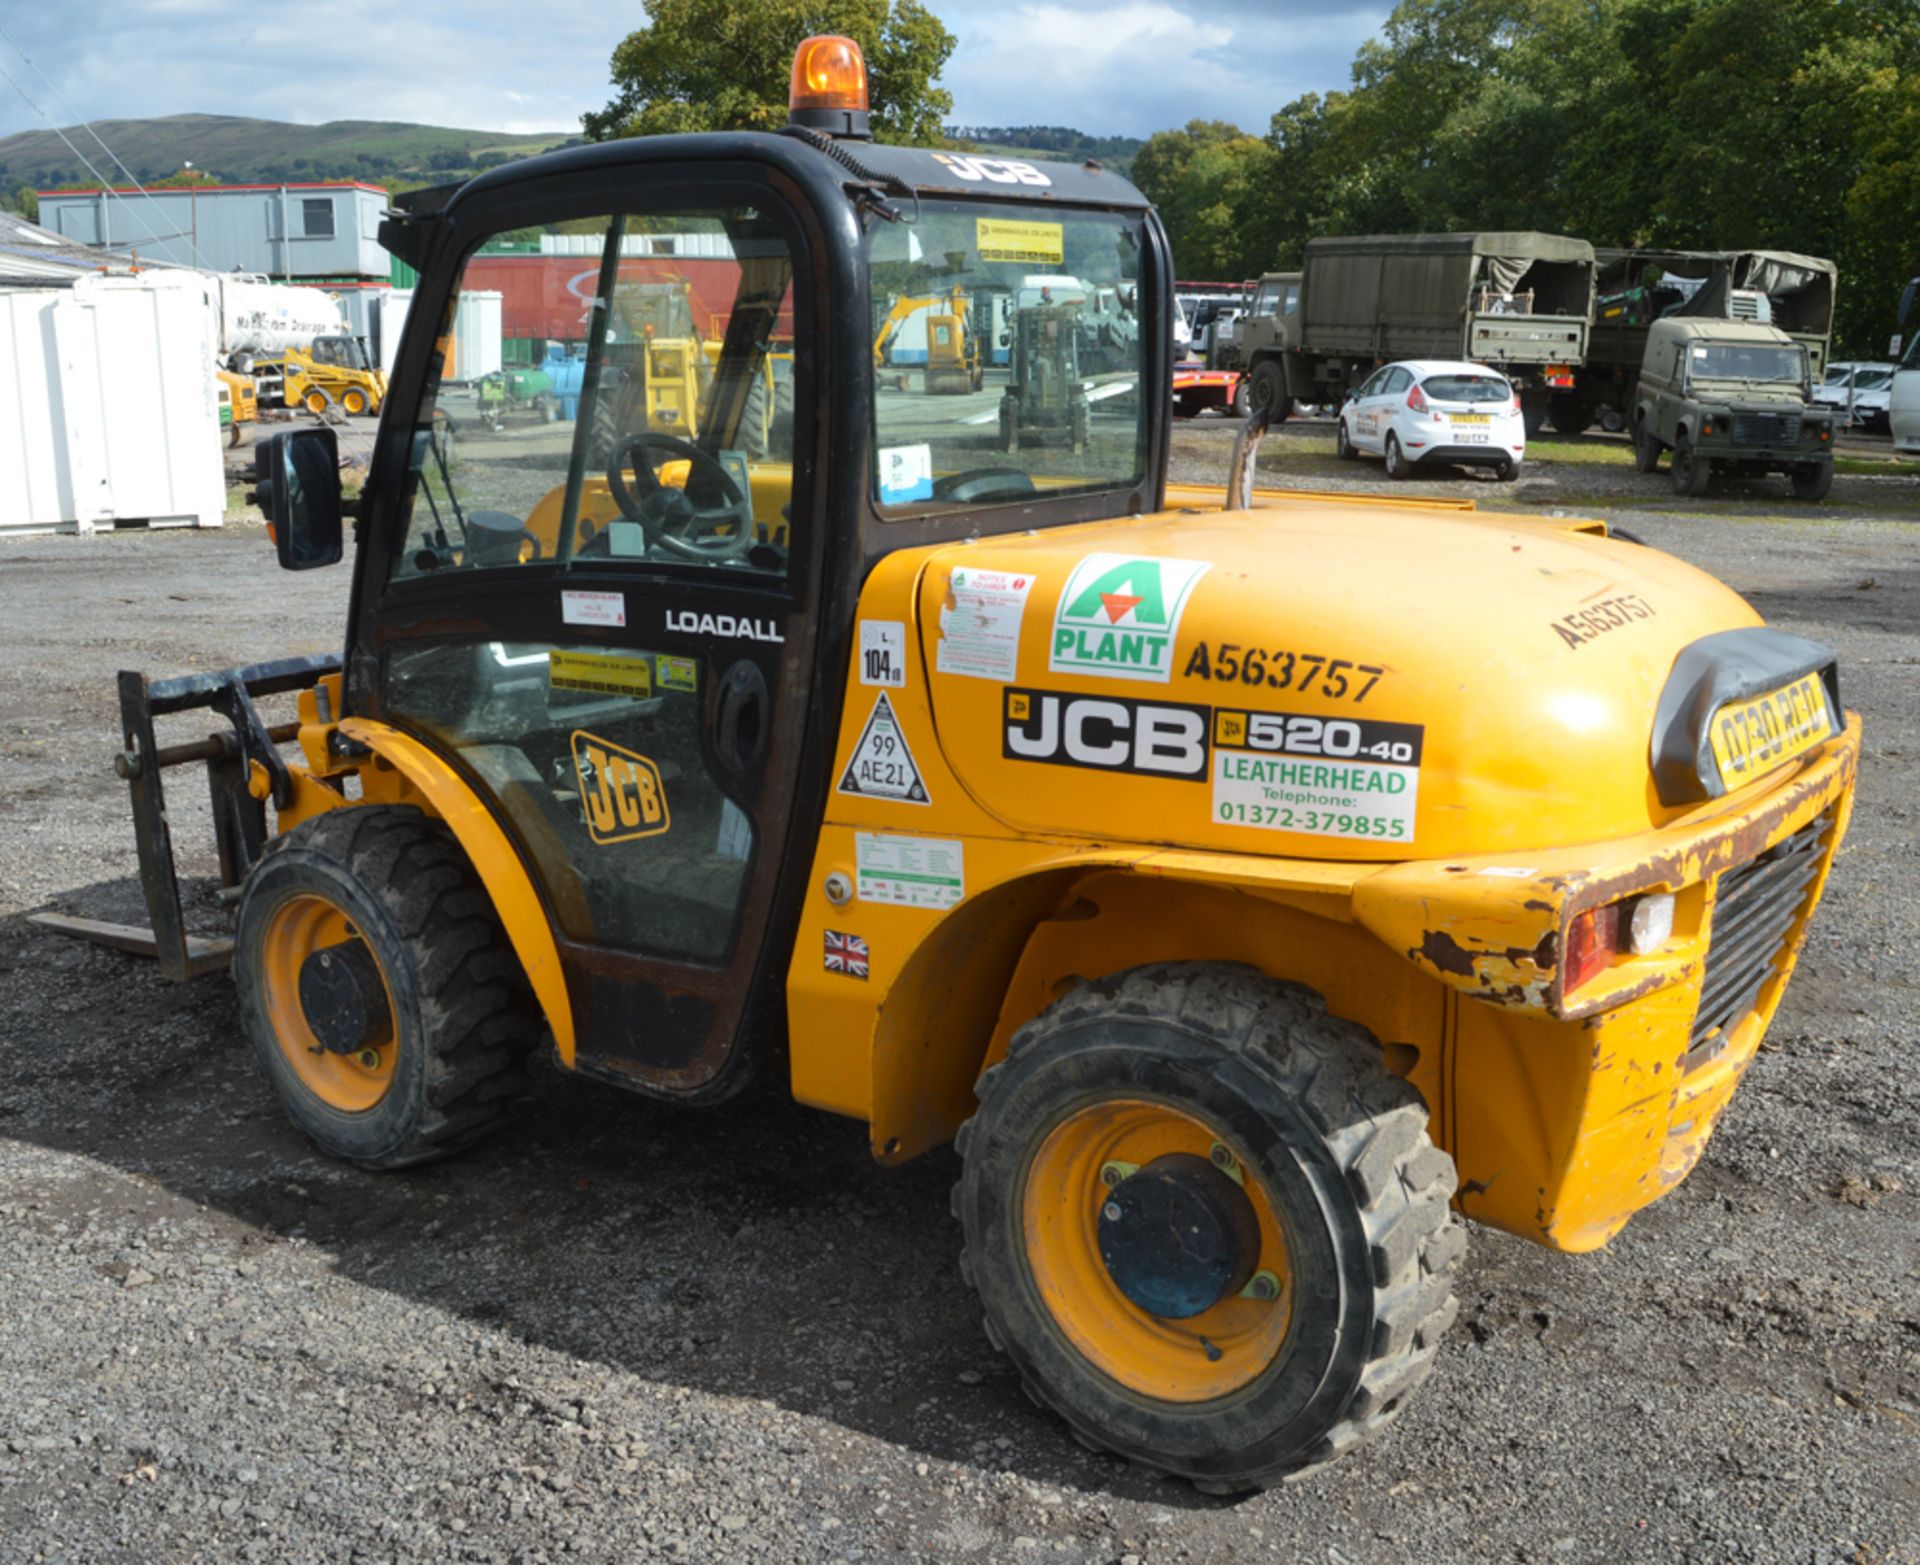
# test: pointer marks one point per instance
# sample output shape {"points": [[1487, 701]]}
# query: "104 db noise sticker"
{"points": [[882, 765]]}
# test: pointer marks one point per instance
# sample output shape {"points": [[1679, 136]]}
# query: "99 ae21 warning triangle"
{"points": [[882, 765]]}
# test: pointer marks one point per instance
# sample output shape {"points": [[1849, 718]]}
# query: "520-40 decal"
{"points": [[1339, 679]]}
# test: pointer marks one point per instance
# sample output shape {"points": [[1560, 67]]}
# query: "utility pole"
{"points": [[193, 203]]}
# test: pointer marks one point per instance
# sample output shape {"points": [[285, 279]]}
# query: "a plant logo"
{"points": [[1119, 615]]}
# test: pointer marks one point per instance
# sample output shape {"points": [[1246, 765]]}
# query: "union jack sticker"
{"points": [[845, 954]]}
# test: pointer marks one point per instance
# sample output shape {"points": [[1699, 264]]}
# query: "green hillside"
{"points": [[242, 151]]}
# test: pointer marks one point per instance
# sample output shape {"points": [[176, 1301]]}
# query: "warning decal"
{"points": [[882, 765]]}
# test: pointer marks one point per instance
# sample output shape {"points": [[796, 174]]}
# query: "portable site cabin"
{"points": [[108, 404]]}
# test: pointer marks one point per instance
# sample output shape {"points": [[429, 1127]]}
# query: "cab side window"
{"points": [[623, 395]]}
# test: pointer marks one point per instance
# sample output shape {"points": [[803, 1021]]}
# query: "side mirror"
{"points": [[297, 487]]}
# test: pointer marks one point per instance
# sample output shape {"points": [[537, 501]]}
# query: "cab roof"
{"points": [[1698, 329]]}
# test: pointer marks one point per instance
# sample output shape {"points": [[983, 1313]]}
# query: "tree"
{"points": [[725, 65], [1205, 180]]}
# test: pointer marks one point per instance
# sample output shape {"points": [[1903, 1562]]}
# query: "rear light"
{"points": [[1516, 403], [1416, 402], [1639, 926], [1592, 940]]}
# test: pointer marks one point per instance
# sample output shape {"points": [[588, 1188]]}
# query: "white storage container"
{"points": [[476, 336], [108, 412], [393, 321]]}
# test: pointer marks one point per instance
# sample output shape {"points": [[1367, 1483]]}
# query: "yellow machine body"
{"points": [[1566, 1109]]}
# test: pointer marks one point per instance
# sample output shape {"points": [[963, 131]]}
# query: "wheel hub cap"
{"points": [[1178, 1236], [344, 998]]}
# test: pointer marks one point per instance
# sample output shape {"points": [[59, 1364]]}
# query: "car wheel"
{"points": [[1507, 471], [1690, 470], [1646, 450], [1398, 467], [1239, 407], [1812, 480], [1305, 1294], [1342, 446]]}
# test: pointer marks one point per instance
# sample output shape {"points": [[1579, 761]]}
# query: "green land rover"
{"points": [[1732, 396]]}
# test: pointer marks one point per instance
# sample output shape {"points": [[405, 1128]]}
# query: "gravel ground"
{"points": [[621, 1332]]}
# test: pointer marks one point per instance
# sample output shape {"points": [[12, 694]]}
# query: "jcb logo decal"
{"points": [[997, 171], [1111, 733], [621, 793]]}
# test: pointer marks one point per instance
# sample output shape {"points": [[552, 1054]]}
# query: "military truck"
{"points": [[1518, 301], [1635, 288], [1732, 396]]}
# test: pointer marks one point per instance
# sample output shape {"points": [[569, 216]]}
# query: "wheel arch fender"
{"points": [[510, 886], [1007, 954]]}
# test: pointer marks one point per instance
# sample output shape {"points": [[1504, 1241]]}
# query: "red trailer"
{"points": [[546, 296]]}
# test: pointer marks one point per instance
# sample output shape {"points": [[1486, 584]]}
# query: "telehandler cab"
{"points": [[1251, 892]]}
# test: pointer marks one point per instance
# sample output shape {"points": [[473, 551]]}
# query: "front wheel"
{"points": [[1312, 1279], [1812, 480], [1269, 392], [1342, 446], [1398, 467], [386, 1008], [1690, 470]]}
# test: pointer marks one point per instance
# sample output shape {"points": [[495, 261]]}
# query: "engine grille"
{"points": [[1754, 914], [1766, 429]]}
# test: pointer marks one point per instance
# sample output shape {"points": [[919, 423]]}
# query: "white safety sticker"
{"points": [[910, 871], [1321, 776], [883, 652], [906, 473], [882, 765], [593, 608], [980, 624]]}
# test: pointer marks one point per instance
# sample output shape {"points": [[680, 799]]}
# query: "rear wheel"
{"points": [[1313, 1279], [1646, 449], [233, 434], [1398, 467], [384, 1003], [1506, 471], [1690, 470], [1239, 406], [1570, 415], [354, 400], [1812, 480]]}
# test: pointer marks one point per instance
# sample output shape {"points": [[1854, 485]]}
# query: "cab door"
{"points": [[600, 609]]}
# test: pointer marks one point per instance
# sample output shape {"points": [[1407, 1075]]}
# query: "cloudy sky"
{"points": [[1118, 67]]}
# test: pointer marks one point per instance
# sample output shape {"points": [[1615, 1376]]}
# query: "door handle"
{"points": [[742, 718]]}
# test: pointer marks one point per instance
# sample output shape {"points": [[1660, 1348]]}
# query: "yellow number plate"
{"points": [[1470, 418], [1751, 738]]}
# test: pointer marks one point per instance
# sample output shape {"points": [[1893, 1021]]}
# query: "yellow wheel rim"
{"points": [[1208, 1355], [316, 403], [354, 402], [351, 1083]]}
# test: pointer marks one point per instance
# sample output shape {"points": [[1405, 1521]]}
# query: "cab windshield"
{"points": [[1007, 355], [1751, 361]]}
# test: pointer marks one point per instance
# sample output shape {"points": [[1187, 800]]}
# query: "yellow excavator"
{"points": [[953, 348]]}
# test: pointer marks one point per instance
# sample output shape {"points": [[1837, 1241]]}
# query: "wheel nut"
{"points": [[1111, 1211], [1111, 1175], [1222, 1158], [1264, 1286], [369, 1059]]}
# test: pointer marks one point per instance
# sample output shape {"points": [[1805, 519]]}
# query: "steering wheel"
{"points": [[669, 517]]}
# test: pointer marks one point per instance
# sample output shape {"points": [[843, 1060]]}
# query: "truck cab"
{"points": [[1734, 397]]}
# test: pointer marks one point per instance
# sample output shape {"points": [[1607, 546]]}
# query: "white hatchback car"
{"points": [[1435, 413]]}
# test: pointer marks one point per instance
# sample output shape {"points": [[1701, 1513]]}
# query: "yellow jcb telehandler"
{"points": [[1251, 890]]}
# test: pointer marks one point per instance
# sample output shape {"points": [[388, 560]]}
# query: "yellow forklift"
{"points": [[1250, 885]]}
